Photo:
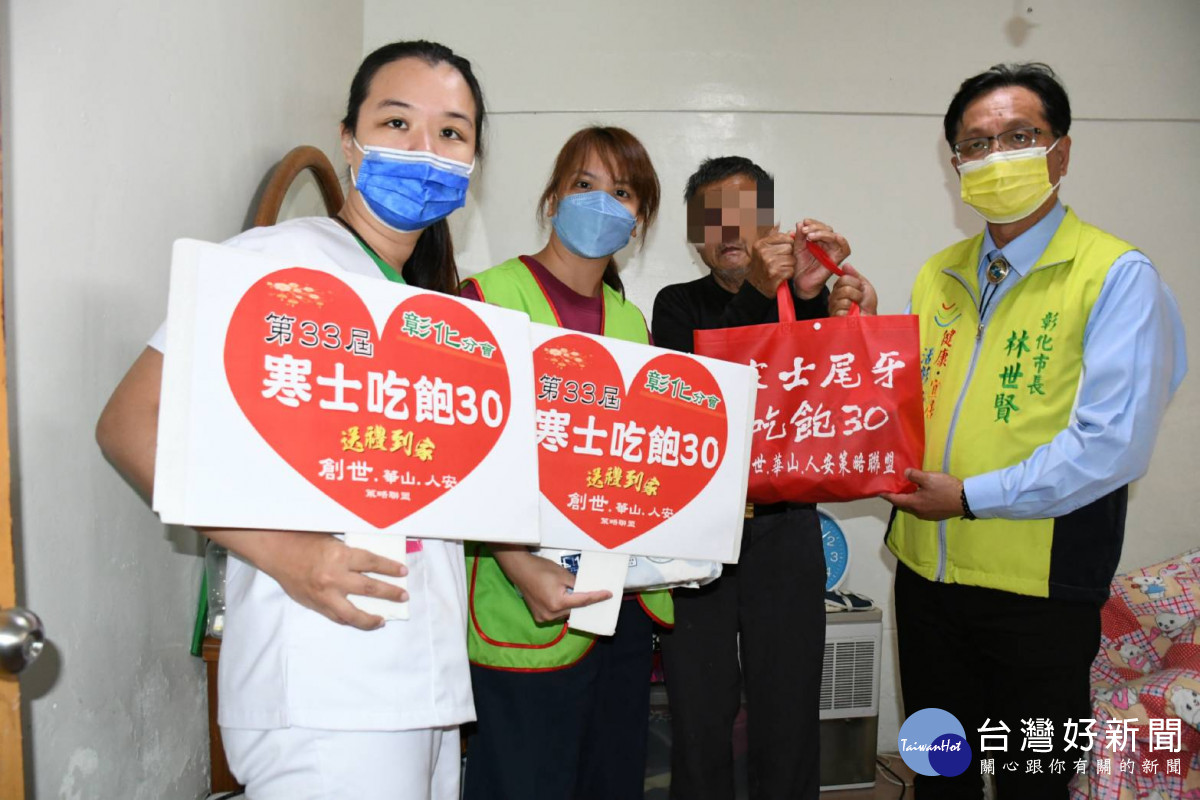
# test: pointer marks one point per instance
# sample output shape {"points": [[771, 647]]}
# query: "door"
{"points": [[12, 769]]}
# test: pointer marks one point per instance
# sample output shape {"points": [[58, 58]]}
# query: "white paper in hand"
{"points": [[389, 546], [599, 571]]}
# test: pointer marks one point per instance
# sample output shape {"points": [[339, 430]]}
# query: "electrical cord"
{"points": [[881, 762], [888, 759]]}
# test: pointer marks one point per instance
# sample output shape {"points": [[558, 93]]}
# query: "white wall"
{"points": [[843, 102], [128, 124]]}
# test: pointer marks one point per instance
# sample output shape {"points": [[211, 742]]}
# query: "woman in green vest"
{"points": [[563, 715]]}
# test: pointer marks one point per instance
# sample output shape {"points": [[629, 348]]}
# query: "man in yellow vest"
{"points": [[1049, 351]]}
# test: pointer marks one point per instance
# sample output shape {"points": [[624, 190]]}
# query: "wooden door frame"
{"points": [[12, 765]]}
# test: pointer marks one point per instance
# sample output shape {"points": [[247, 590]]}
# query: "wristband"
{"points": [[966, 506]]}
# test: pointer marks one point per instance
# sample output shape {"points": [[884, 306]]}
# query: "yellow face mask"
{"points": [[1008, 185]]}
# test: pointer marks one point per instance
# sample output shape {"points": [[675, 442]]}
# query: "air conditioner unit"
{"points": [[850, 698]]}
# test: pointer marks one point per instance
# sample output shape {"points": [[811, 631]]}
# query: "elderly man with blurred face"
{"points": [[1049, 351], [771, 601]]}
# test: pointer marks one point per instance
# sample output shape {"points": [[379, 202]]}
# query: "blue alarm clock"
{"points": [[837, 551]]}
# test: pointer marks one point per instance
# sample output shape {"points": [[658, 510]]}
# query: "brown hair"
{"points": [[625, 158]]}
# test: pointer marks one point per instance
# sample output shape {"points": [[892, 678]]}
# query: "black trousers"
{"points": [[984, 654], [572, 734], [773, 598]]}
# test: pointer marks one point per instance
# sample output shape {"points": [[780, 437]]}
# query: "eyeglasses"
{"points": [[981, 146]]}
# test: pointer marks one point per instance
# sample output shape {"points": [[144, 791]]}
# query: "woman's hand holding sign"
{"points": [[546, 587], [318, 571], [315, 569]]}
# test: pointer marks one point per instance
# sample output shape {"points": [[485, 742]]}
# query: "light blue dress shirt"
{"points": [[1134, 358]]}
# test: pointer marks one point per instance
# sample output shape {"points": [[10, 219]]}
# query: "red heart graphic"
{"points": [[383, 424], [616, 462]]}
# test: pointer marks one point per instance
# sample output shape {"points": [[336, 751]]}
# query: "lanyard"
{"points": [[387, 269]]}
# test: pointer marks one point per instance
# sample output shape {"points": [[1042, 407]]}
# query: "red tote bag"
{"points": [[839, 413]]}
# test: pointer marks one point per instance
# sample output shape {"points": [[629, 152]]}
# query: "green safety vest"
{"points": [[501, 633], [992, 396]]}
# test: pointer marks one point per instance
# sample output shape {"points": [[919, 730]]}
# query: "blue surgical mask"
{"points": [[409, 190], [593, 224]]}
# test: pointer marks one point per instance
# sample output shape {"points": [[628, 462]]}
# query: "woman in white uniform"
{"points": [[319, 699]]}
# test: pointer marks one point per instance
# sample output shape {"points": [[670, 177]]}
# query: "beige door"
{"points": [[12, 769]]}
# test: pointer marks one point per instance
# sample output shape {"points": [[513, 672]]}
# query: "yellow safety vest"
{"points": [[992, 396]]}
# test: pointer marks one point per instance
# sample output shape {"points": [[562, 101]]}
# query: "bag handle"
{"points": [[787, 308], [783, 296]]}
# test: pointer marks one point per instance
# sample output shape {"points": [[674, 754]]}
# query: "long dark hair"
{"points": [[625, 157], [431, 264]]}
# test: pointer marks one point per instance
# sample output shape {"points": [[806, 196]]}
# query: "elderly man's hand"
{"points": [[771, 262], [810, 275], [852, 288], [938, 496]]}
